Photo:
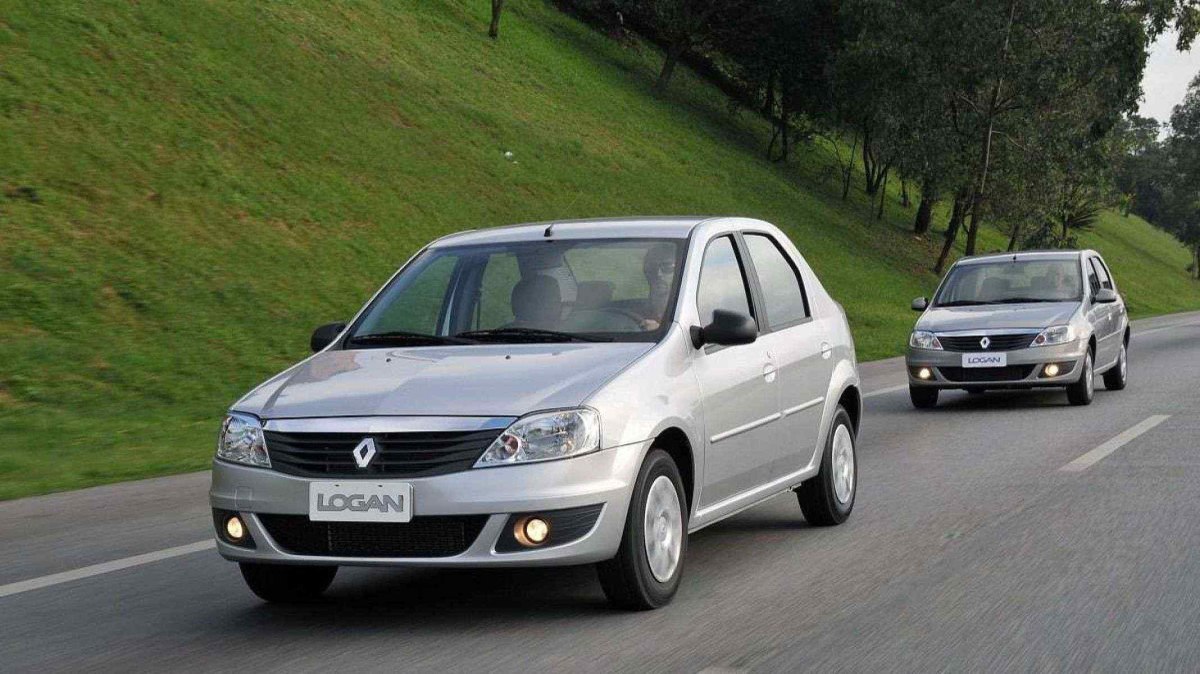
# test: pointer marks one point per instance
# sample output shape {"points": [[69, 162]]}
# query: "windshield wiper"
{"points": [[402, 337], [961, 303], [535, 334], [1024, 300]]}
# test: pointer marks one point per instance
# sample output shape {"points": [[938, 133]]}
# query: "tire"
{"points": [[1118, 375], [923, 397], [828, 498], [1082, 391], [637, 579], [287, 583]]}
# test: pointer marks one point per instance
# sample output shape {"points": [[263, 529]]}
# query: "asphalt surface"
{"points": [[970, 548]]}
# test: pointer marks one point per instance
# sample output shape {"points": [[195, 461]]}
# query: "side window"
{"points": [[782, 289], [722, 283], [1093, 277], [1102, 272]]}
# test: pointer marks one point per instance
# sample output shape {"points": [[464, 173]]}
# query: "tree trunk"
{"points": [[494, 29], [674, 53], [924, 214], [848, 171], [904, 200], [882, 193], [956, 219], [768, 108], [1016, 236]]}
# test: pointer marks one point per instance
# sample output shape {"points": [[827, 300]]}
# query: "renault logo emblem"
{"points": [[364, 452], [985, 342]]}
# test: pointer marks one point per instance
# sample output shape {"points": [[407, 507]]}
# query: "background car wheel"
{"points": [[923, 397], [645, 572], [286, 583], [1082, 391], [1118, 375], [828, 498]]}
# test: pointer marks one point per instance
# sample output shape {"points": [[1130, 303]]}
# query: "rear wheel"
{"points": [[1118, 375], [1082, 391], [286, 583], [828, 498], [923, 397], [645, 572]]}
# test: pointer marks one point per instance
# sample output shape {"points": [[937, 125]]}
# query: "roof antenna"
{"points": [[549, 230]]}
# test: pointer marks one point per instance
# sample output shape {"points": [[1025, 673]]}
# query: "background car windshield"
{"points": [[618, 289], [1005, 282]]}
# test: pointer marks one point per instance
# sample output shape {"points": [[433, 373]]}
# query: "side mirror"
{"points": [[728, 328], [324, 335], [920, 304], [1105, 296]]}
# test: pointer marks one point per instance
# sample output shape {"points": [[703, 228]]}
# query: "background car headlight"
{"points": [[241, 441], [543, 437], [924, 340], [1059, 334]]}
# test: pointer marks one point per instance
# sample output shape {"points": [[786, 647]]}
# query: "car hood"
{"points": [[998, 317], [477, 380]]}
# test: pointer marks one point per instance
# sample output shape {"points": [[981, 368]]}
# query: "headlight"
{"points": [[241, 441], [1059, 334], [924, 340], [543, 437]]}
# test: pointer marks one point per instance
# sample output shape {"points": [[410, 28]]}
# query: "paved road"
{"points": [[970, 548]]}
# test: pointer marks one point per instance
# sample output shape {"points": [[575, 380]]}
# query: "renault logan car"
{"points": [[1027, 320], [548, 394]]}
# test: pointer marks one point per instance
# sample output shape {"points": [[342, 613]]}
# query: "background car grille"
{"points": [[411, 454], [430, 536], [977, 374], [998, 342]]}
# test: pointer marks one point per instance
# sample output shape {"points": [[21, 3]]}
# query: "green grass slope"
{"points": [[186, 189]]}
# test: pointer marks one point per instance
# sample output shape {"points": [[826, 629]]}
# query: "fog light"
{"points": [[531, 531], [1051, 370], [234, 529], [924, 373]]}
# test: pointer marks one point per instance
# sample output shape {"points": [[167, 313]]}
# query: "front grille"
{"points": [[429, 536], [978, 374], [997, 342], [408, 454]]}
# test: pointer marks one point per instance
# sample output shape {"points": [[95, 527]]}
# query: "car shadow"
{"points": [[1003, 399]]}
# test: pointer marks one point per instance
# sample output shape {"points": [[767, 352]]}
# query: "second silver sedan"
{"points": [[1037, 319]]}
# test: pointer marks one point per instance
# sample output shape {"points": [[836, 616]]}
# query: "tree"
{"points": [[1182, 191], [494, 28]]}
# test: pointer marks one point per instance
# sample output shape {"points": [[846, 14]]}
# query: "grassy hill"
{"points": [[187, 189]]}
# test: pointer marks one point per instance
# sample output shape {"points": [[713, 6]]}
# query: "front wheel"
{"points": [[645, 572], [1082, 391], [286, 583], [923, 397], [1118, 375], [828, 498]]}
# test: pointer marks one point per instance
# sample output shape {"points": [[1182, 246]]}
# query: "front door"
{"points": [[737, 384]]}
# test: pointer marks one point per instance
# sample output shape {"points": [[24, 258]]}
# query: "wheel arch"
{"points": [[674, 441]]}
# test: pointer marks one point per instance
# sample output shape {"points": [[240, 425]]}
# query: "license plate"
{"points": [[985, 359], [357, 501]]}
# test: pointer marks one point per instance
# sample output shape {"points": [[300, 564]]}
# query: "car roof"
{"points": [[1023, 256], [653, 227]]}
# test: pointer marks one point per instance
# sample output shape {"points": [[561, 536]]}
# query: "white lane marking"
{"points": [[104, 567], [882, 391], [1087, 460], [1151, 331]]}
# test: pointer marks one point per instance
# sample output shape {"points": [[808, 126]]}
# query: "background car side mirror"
{"points": [[324, 335], [920, 304], [1105, 296], [728, 328]]}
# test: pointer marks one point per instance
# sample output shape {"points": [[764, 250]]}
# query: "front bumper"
{"points": [[602, 478], [1024, 370]]}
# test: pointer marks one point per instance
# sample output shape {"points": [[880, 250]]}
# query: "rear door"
{"points": [[796, 343], [738, 384]]}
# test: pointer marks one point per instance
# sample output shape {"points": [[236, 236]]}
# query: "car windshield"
{"points": [[531, 291], [1008, 281]]}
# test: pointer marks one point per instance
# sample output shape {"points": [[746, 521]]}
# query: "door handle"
{"points": [[826, 350], [769, 371]]}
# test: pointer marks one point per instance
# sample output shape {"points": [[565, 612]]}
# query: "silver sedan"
{"points": [[548, 394], [1025, 320]]}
